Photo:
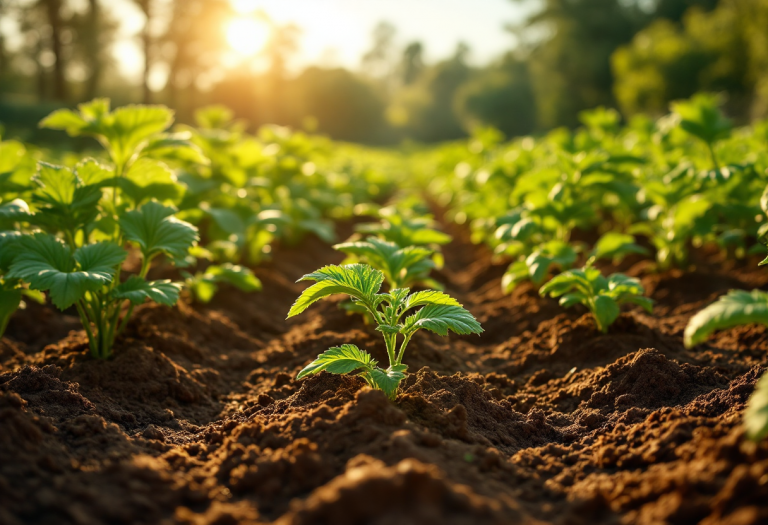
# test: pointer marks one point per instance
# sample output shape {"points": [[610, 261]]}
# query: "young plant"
{"points": [[537, 266], [701, 117], [436, 312], [402, 267], [87, 215], [12, 290], [204, 285], [736, 308], [603, 296], [86, 275]]}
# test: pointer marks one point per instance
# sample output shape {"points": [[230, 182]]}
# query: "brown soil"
{"points": [[198, 420]]}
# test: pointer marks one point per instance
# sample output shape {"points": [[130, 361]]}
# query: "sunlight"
{"points": [[247, 36]]}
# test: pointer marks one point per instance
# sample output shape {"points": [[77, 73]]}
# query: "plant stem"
{"points": [[714, 158], [401, 353], [87, 325]]}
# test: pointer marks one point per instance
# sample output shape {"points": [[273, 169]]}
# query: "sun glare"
{"points": [[247, 36]]}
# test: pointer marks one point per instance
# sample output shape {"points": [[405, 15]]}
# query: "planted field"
{"points": [[207, 327]]}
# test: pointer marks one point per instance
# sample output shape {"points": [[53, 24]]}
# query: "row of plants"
{"points": [[210, 200], [653, 188]]}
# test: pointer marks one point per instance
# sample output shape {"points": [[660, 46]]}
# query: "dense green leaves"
{"points": [[121, 131], [48, 265], [154, 228], [357, 280], [701, 116], [137, 290], [401, 266], [603, 296], [438, 313], [736, 308]]}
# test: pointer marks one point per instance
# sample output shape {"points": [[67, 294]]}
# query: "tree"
{"points": [[147, 7], [500, 96], [377, 62], [412, 63]]}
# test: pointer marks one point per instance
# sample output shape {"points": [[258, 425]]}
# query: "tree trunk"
{"points": [[95, 54], [53, 10], [146, 42]]}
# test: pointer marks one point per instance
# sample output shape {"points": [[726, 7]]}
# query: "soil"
{"points": [[541, 419]]}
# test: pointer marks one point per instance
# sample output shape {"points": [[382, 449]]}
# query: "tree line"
{"points": [[571, 55]]}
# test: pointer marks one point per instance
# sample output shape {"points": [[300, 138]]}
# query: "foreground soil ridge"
{"points": [[198, 420]]}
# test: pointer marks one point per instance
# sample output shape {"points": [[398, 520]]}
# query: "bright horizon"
{"points": [[336, 33]]}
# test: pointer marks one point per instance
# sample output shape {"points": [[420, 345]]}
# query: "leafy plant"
{"points": [[87, 215], [615, 246], [436, 312], [204, 285], [737, 308], [701, 117], [602, 296], [85, 275], [537, 266], [402, 266]]}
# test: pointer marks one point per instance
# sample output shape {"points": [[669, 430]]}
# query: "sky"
{"points": [[338, 32]]}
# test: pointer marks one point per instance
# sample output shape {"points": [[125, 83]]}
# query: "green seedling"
{"points": [[701, 117], [204, 285], [736, 308], [86, 215], [436, 312], [537, 266], [402, 267], [602, 296]]}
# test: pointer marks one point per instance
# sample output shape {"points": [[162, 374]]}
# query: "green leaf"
{"points": [[65, 204], [339, 360], [155, 230], [606, 311], [614, 245], [121, 131], [137, 290], [701, 116], [516, 273], [7, 248], [101, 258], [388, 329], [736, 308], [65, 119], [387, 257], [238, 276], [150, 179], [10, 299], [357, 280], [14, 211], [645, 303], [440, 319], [756, 413], [47, 265], [175, 146], [388, 380], [429, 297], [90, 172], [553, 253]]}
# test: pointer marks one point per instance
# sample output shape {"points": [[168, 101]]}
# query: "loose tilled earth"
{"points": [[198, 420]]}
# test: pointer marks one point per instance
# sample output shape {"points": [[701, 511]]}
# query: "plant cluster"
{"points": [[398, 314], [210, 200]]}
